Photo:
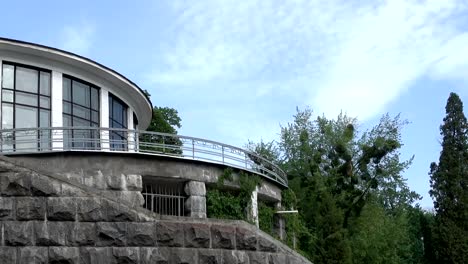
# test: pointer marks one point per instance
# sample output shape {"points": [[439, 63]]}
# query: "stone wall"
{"points": [[52, 219]]}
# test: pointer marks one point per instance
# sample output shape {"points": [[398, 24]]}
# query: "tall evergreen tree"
{"points": [[449, 183]]}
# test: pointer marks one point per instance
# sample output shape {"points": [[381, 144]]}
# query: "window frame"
{"points": [[123, 135], [38, 94], [89, 108]]}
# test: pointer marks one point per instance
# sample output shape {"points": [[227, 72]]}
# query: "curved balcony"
{"points": [[55, 139]]}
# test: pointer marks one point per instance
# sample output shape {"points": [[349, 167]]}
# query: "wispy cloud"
{"points": [[356, 56], [77, 38]]}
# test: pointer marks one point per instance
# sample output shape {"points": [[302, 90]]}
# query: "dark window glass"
{"points": [[45, 83], [80, 109], [24, 105], [117, 119], [80, 93], [66, 89]]}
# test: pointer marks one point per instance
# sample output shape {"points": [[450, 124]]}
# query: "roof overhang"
{"points": [[132, 94]]}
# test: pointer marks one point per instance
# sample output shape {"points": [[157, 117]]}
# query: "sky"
{"points": [[237, 70]]}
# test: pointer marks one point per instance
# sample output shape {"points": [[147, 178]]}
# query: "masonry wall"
{"points": [[52, 219]]}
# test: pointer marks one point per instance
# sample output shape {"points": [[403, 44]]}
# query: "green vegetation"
{"points": [[354, 205], [231, 204], [449, 182]]}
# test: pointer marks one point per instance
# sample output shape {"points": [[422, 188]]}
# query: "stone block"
{"points": [[276, 259], [141, 234], [92, 255], [245, 239], [8, 255], [44, 186], [69, 255], [61, 208], [111, 234], [118, 213], [7, 208], [235, 257], [128, 255], [15, 184], [95, 180], [197, 235], [169, 234], [18, 233], [52, 233], [30, 208], [36, 255], [183, 256], [195, 188], [91, 209], [223, 236], [258, 258], [150, 255], [115, 182], [196, 205], [266, 245], [83, 234], [69, 190], [210, 256], [134, 182]]}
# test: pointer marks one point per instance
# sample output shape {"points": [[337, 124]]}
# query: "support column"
{"points": [[105, 119], [131, 137], [196, 202], [253, 210], [279, 223], [57, 109]]}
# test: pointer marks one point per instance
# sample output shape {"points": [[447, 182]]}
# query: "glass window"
{"points": [[26, 98], [26, 79], [8, 76], [117, 119], [45, 83], [24, 105], [80, 109]]}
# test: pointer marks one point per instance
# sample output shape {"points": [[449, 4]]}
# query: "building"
{"points": [[53, 101], [81, 181]]}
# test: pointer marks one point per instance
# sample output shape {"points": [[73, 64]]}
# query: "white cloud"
{"points": [[357, 57], [77, 38]]}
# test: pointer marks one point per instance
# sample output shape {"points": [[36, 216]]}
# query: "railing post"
{"points": [[222, 152], [193, 149]]}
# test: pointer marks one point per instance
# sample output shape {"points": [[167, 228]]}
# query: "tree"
{"points": [[164, 120], [342, 178], [449, 186]]}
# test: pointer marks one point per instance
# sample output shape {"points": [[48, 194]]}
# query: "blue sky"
{"points": [[236, 70]]}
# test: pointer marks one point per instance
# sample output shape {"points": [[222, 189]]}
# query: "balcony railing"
{"points": [[32, 140]]}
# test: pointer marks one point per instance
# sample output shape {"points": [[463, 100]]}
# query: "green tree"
{"points": [[449, 183], [164, 120], [340, 176]]}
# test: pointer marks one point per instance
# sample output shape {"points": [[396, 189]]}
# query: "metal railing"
{"points": [[30, 140], [164, 198]]}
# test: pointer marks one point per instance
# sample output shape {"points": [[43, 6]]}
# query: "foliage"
{"points": [[164, 120], [266, 217], [348, 185], [231, 205], [224, 205], [449, 183]]}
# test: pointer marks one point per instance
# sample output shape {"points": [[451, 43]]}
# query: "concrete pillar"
{"points": [[105, 119], [253, 210], [279, 223], [131, 137], [57, 109], [196, 201]]}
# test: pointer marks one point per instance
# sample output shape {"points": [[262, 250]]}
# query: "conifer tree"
{"points": [[449, 181]]}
